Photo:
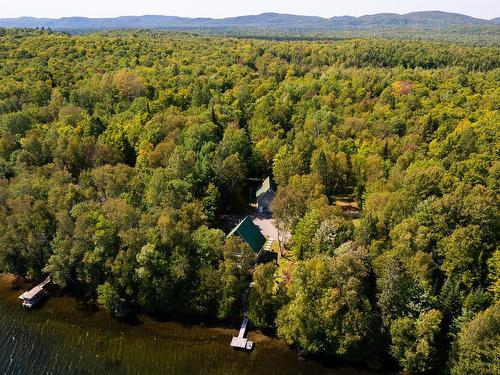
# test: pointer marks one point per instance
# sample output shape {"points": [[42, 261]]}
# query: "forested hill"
{"points": [[266, 20]]}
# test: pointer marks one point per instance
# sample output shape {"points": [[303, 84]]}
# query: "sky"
{"points": [[227, 8]]}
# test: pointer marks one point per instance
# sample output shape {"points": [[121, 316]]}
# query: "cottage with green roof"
{"points": [[265, 195], [250, 233]]}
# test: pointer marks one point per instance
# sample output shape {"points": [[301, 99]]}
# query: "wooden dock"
{"points": [[240, 341], [35, 295]]}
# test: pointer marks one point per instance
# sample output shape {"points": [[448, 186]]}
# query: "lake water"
{"points": [[63, 337]]}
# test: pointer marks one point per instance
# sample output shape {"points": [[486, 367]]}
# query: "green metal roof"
{"points": [[250, 233], [266, 185]]}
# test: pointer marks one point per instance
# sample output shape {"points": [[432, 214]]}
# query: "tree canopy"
{"points": [[119, 152]]}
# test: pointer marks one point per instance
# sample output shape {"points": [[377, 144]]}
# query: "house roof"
{"points": [[250, 233], [266, 185]]}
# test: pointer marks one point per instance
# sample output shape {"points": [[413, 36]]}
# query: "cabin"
{"points": [[265, 195], [251, 234], [35, 295]]}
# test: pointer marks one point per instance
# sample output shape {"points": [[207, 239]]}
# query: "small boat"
{"points": [[35, 295], [249, 345]]}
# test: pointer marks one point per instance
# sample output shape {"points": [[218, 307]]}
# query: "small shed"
{"points": [[250, 233], [265, 195]]}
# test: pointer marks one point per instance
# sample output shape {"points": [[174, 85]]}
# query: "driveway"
{"points": [[265, 222]]}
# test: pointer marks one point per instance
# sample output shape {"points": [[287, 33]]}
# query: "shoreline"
{"points": [[12, 285], [63, 319]]}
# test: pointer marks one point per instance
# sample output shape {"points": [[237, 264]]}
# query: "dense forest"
{"points": [[119, 152]]}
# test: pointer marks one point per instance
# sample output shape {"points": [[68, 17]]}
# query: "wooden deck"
{"points": [[239, 342]]}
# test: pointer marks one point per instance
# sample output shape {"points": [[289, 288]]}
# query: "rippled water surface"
{"points": [[62, 337]]}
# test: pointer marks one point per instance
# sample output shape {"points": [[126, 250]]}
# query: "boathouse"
{"points": [[265, 195], [250, 233]]}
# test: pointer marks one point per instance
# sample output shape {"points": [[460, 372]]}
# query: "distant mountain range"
{"points": [[428, 19]]}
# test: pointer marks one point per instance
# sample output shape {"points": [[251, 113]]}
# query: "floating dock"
{"points": [[35, 295]]}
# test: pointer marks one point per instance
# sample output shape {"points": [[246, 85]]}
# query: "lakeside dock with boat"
{"points": [[35, 295], [240, 341]]}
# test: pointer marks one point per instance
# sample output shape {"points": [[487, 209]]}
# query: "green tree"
{"points": [[156, 287], [301, 240], [288, 206], [328, 310], [110, 300], [494, 273], [330, 234], [235, 274], [263, 301], [414, 341], [230, 173], [287, 163], [461, 251], [478, 344]]}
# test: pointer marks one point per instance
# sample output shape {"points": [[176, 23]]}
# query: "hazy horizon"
{"points": [[485, 9]]}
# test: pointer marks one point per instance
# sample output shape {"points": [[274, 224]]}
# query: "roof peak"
{"points": [[265, 186]]}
